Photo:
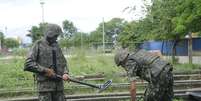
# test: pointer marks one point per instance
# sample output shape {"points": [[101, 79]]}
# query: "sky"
{"points": [[18, 16]]}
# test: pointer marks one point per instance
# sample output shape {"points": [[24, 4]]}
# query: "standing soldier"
{"points": [[45, 60], [149, 67]]}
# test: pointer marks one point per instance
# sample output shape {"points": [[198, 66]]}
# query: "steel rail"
{"points": [[108, 96]]}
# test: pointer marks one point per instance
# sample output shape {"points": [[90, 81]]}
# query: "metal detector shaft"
{"points": [[87, 84], [83, 83]]}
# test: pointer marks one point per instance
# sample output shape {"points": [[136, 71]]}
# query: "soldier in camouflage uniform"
{"points": [[149, 67], [45, 60]]}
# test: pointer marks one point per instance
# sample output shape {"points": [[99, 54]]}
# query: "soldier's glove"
{"points": [[49, 72]]}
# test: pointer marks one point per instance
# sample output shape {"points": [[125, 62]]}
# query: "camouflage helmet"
{"points": [[52, 30], [120, 56]]}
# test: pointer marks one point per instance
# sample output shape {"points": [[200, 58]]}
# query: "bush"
{"points": [[20, 52]]}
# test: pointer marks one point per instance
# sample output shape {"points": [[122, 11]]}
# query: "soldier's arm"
{"points": [[66, 70], [133, 90], [31, 61], [66, 73], [132, 80], [132, 71]]}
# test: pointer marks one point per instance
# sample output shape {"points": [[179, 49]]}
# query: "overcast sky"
{"points": [[17, 16]]}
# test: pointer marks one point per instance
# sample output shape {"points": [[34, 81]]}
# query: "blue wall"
{"points": [[166, 46]]}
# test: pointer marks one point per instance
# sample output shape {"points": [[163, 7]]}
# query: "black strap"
{"points": [[38, 53], [37, 58], [54, 60]]}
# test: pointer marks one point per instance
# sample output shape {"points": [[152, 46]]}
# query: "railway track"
{"points": [[182, 93], [177, 85], [190, 81], [182, 83]]}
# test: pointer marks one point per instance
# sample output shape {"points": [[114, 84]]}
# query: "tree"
{"points": [[80, 39], [112, 28], [65, 42], [168, 19], [1, 39], [171, 19], [135, 32], [129, 35], [69, 29], [96, 37], [189, 18], [36, 32], [176, 18], [11, 43], [67, 36], [162, 13]]}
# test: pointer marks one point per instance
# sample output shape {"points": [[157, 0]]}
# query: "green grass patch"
{"points": [[80, 62], [186, 67], [12, 75]]}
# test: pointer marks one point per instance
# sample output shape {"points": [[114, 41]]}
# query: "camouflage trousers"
{"points": [[161, 88], [51, 96]]}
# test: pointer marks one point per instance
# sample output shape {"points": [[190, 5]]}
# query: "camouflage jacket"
{"points": [[41, 57], [145, 65]]}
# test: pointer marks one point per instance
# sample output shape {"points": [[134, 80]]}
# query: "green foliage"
{"points": [[111, 28], [114, 27], [13, 76], [69, 29], [96, 36], [179, 99], [165, 19], [20, 52], [94, 64], [77, 40], [1, 38], [133, 34], [186, 67], [65, 42], [11, 43], [80, 39], [71, 37], [176, 16], [189, 16], [161, 13], [36, 32], [80, 62]]}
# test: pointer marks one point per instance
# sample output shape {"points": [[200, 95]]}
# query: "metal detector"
{"points": [[100, 87]]}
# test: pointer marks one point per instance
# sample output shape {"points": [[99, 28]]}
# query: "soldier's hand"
{"points": [[49, 72], [65, 77]]}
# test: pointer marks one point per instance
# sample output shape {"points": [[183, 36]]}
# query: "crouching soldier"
{"points": [[45, 60], [151, 68]]}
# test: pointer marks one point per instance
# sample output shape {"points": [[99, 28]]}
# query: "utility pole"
{"points": [[0, 40], [0, 43], [190, 41], [1, 37], [81, 40], [42, 7], [6, 30], [103, 37]]}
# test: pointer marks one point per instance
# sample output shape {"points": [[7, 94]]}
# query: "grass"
{"points": [[186, 67], [13, 77]]}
